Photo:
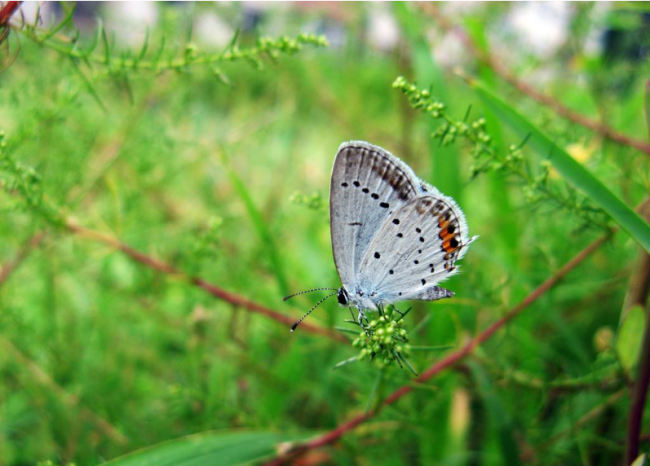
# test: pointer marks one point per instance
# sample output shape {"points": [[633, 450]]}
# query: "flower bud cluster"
{"points": [[537, 186], [383, 339]]}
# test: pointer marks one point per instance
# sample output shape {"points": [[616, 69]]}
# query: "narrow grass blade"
{"points": [[502, 206], [346, 362], [445, 173], [499, 417], [375, 389], [567, 166], [403, 314], [421, 324], [261, 228], [68, 10], [431, 348], [347, 330], [407, 363], [89, 85], [225, 448]]}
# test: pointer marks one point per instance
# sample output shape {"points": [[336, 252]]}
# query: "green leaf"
{"points": [[630, 336], [261, 227], [445, 173], [640, 461], [431, 348], [217, 448], [576, 174], [499, 417]]}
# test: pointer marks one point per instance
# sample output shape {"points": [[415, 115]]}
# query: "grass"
{"points": [[181, 164]]}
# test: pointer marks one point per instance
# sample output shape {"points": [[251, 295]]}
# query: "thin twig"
{"points": [[525, 88], [214, 290], [448, 361]]}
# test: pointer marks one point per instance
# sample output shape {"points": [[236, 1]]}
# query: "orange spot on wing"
{"points": [[446, 245], [446, 236]]}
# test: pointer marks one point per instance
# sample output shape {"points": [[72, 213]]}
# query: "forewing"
{"points": [[416, 248], [368, 185]]}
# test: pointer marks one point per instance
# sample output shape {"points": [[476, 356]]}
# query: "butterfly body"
{"points": [[394, 237]]}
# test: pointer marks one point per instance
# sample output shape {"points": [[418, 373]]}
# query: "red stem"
{"points": [[200, 283], [639, 396], [448, 361], [7, 11]]}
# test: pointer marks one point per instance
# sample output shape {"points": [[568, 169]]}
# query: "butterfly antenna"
{"points": [[308, 291], [293, 327]]}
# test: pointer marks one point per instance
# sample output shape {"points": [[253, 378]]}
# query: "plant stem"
{"points": [[449, 361], [639, 396], [214, 290], [525, 88]]}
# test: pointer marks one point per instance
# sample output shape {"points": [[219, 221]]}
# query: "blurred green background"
{"points": [[220, 168]]}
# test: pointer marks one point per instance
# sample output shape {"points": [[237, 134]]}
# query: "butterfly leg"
{"points": [[360, 319]]}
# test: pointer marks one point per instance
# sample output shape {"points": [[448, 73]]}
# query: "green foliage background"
{"points": [[221, 169]]}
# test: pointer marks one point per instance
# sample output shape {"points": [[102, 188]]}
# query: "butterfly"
{"points": [[394, 236]]}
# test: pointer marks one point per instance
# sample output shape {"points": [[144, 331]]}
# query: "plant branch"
{"points": [[214, 290], [639, 396], [264, 47], [637, 295], [449, 361], [525, 88]]}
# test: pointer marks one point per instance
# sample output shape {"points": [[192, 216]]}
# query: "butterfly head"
{"points": [[343, 297], [357, 299]]}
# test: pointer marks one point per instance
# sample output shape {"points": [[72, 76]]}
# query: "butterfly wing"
{"points": [[415, 249], [368, 185]]}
